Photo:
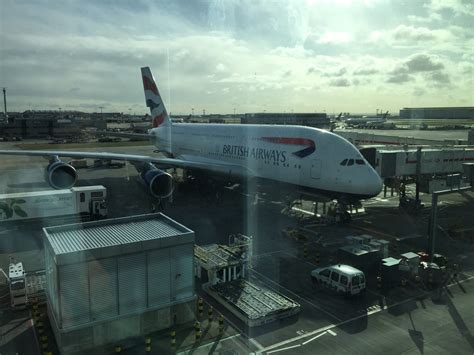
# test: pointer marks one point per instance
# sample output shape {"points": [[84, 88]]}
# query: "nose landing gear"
{"points": [[342, 211]]}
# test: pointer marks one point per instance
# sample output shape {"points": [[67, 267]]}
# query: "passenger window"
{"points": [[325, 273], [344, 280], [360, 162], [344, 162], [335, 276], [355, 280], [351, 162], [82, 196]]}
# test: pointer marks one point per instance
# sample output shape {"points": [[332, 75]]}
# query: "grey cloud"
{"points": [[340, 72], [409, 33], [418, 63], [423, 62], [312, 70], [440, 77], [366, 72], [399, 78], [341, 82]]}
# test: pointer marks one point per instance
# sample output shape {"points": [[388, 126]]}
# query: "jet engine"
{"points": [[60, 175], [159, 182]]}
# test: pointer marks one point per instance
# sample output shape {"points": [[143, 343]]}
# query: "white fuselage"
{"points": [[365, 119], [297, 155]]}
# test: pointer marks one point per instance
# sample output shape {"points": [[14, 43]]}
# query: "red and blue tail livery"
{"points": [[153, 100]]}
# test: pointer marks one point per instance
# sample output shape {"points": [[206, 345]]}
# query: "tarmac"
{"points": [[413, 319]]}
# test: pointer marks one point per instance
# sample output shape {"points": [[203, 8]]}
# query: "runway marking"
{"points": [[313, 338], [287, 348], [256, 344], [332, 326], [298, 296], [332, 333], [211, 343]]}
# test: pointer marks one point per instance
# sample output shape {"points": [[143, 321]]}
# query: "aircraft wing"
{"points": [[124, 134], [219, 167]]}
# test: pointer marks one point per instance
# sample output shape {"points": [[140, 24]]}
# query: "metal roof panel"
{"points": [[108, 233]]}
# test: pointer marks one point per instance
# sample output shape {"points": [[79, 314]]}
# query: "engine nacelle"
{"points": [[60, 175], [159, 182]]}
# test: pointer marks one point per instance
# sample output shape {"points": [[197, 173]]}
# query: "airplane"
{"points": [[312, 160], [364, 120]]}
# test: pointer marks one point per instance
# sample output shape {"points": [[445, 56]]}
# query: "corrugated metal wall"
{"points": [[74, 293], [103, 288], [132, 283], [107, 288], [52, 282], [182, 271], [159, 277]]}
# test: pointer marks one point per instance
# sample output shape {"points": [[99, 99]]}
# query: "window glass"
{"points": [[325, 273], [260, 120]]}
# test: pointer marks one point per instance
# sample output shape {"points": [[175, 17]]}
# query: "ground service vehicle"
{"points": [[85, 201], [340, 278]]}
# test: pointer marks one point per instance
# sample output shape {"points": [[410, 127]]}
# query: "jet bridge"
{"points": [[432, 161]]}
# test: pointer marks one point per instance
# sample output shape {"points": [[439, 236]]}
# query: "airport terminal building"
{"points": [[437, 112], [319, 120]]}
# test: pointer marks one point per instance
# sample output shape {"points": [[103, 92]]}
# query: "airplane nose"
{"points": [[374, 184]]}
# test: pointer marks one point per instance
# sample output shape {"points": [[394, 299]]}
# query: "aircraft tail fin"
{"points": [[153, 99]]}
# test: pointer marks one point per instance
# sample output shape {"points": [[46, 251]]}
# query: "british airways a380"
{"points": [[309, 159]]}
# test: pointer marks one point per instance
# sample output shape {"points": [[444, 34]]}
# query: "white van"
{"points": [[341, 278]]}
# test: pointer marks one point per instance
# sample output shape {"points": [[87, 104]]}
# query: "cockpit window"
{"points": [[360, 162], [344, 162], [351, 162]]}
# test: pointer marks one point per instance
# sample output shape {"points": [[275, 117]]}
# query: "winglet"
{"points": [[153, 99]]}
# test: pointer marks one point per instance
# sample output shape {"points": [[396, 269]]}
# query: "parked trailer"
{"points": [[85, 201]]}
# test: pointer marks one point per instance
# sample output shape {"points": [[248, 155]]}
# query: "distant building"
{"points": [[319, 120], [47, 124], [438, 113]]}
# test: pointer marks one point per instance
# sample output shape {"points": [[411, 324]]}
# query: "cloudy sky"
{"points": [[247, 55]]}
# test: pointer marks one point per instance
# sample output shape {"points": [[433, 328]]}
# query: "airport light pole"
{"points": [[5, 101]]}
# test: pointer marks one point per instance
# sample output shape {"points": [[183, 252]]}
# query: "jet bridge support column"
{"points": [[434, 216], [418, 175]]}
